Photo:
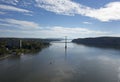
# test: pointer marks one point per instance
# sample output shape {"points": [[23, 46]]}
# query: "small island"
{"points": [[106, 42], [16, 46]]}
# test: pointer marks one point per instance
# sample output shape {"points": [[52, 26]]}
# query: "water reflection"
{"points": [[101, 46], [84, 64], [99, 69], [15, 57], [65, 53]]}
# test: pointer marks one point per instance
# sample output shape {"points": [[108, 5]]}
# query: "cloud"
{"points": [[28, 14], [65, 7], [45, 32], [110, 11], [13, 8], [22, 3], [73, 32], [87, 22], [18, 23], [13, 2], [2, 12]]}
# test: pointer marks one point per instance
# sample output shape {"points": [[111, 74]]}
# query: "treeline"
{"points": [[22, 45], [108, 42]]}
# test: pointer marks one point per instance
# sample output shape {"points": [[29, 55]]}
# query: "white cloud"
{"points": [[65, 7], [110, 11], [13, 2], [54, 31], [19, 23], [87, 22], [73, 32], [13, 8], [28, 14], [2, 12], [18, 2], [33, 29]]}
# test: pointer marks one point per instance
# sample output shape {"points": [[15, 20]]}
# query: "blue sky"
{"points": [[59, 18]]}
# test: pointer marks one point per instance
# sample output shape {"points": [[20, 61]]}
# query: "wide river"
{"points": [[77, 63]]}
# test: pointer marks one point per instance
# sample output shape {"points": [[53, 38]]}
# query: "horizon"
{"points": [[59, 18], [62, 37]]}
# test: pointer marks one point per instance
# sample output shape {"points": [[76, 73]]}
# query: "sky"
{"points": [[59, 18]]}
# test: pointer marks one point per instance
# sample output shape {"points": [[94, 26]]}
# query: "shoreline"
{"points": [[6, 56]]}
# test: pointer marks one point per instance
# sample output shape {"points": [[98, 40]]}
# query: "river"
{"points": [[76, 63]]}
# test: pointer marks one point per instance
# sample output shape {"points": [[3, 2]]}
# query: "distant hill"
{"points": [[110, 42]]}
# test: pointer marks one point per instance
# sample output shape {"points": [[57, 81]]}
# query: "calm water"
{"points": [[77, 63]]}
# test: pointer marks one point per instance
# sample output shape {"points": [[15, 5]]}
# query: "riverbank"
{"points": [[18, 52], [6, 56], [15, 46], [106, 42]]}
